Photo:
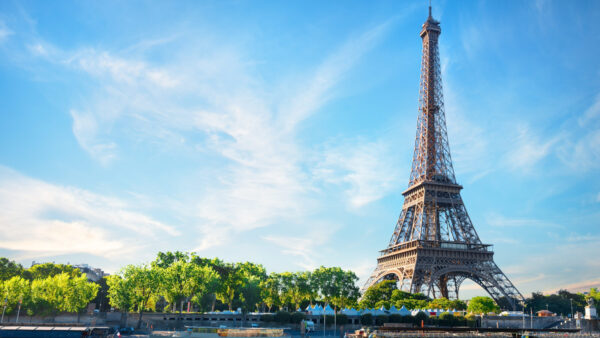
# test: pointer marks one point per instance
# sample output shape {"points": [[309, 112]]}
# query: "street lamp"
{"points": [[571, 299], [19, 311], [523, 305], [3, 310]]}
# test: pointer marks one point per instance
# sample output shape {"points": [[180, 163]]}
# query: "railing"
{"points": [[439, 244]]}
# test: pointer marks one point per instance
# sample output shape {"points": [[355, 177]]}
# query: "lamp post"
{"points": [[523, 305], [571, 299], [3, 310], [531, 317], [19, 310], [334, 320], [324, 322]]}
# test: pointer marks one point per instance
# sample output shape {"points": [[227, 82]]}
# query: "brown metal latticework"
{"points": [[435, 247]]}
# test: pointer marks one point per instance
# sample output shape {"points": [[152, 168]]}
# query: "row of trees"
{"points": [[47, 294], [387, 294], [175, 280]]}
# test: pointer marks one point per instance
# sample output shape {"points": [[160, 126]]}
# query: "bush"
{"points": [[395, 318], [342, 319], [446, 319], [421, 316], [381, 319], [282, 317], [297, 317], [366, 319], [267, 318]]}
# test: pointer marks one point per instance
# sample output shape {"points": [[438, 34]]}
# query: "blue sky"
{"points": [[282, 132]]}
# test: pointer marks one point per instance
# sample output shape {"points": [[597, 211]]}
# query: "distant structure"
{"points": [[92, 274], [435, 247]]}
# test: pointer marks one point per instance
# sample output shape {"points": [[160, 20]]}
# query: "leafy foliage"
{"points": [[482, 305], [9, 269], [557, 303], [282, 317], [366, 319]]}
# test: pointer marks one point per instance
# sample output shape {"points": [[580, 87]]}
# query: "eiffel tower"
{"points": [[435, 247]]}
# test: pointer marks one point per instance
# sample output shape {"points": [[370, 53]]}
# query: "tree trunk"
{"points": [[214, 302], [123, 319], [78, 316], [139, 323]]}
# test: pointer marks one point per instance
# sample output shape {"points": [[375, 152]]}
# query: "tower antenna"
{"points": [[430, 8]]}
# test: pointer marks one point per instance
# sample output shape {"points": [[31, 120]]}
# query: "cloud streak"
{"points": [[51, 219]]}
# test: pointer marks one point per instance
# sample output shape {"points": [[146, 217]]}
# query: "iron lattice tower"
{"points": [[435, 247]]}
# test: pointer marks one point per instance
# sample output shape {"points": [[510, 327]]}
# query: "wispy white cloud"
{"points": [[581, 286], [40, 217], [581, 150], [591, 114], [497, 220], [316, 91], [527, 149], [263, 177], [4, 32], [368, 169], [306, 247]]}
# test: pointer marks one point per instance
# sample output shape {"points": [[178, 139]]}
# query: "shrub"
{"points": [[267, 318], [445, 319], [366, 319], [381, 319], [459, 320], [395, 318], [297, 317], [282, 317], [342, 319], [421, 316]]}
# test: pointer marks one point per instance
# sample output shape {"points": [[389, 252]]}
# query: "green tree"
{"points": [[63, 292], [183, 280], [379, 292], [482, 305], [250, 294], [595, 294], [291, 292], [349, 292], [119, 293], [143, 282], [336, 286], [446, 304], [14, 290], [270, 291], [166, 259], [231, 280], [9, 269], [78, 292], [45, 270], [409, 300], [558, 303]]}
